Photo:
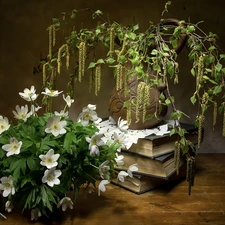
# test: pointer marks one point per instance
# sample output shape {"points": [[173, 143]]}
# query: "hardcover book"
{"points": [[154, 146]]}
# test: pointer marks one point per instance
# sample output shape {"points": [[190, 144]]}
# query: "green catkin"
{"points": [[190, 174], [82, 56], [200, 128], [111, 44], [66, 49], [176, 80], [146, 101], [125, 85], [215, 109], [140, 93], [97, 79], [50, 41], [90, 82], [223, 133], [199, 72], [122, 49], [205, 98], [177, 150], [53, 35], [129, 113], [67, 57], [53, 78], [119, 75], [44, 75]]}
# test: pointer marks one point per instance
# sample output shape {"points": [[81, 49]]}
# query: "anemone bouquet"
{"points": [[43, 158]]}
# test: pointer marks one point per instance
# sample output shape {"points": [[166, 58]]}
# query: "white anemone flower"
{"points": [[35, 213], [55, 126], [7, 186], [9, 206], [119, 160], [94, 142], [87, 115], [65, 203], [49, 159], [13, 148], [29, 94], [132, 168], [4, 124], [62, 113], [121, 139], [22, 113], [101, 186], [68, 100], [121, 175], [91, 107], [51, 177], [103, 169], [34, 109], [51, 93], [122, 125]]}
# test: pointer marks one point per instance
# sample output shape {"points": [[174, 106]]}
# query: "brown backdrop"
{"points": [[24, 39]]}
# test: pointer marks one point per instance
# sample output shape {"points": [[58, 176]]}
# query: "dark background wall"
{"points": [[24, 39]]}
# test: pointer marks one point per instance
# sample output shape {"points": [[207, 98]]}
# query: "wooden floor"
{"points": [[169, 205]]}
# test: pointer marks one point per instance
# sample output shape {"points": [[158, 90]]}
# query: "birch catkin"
{"points": [[200, 128], [97, 78], [200, 71], [215, 109], [177, 150], [119, 75], [129, 114], [64, 48], [190, 174], [111, 40], [44, 75], [140, 97], [50, 41], [223, 133], [82, 59], [122, 49], [146, 101]]}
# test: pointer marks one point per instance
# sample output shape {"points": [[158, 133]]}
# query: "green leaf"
{"points": [[190, 29], [154, 52], [139, 69], [193, 99], [167, 101], [110, 60], [70, 137], [210, 80], [218, 67], [73, 14], [131, 35], [222, 56], [136, 27], [100, 61], [171, 71], [91, 65], [31, 163], [217, 90], [165, 47]]}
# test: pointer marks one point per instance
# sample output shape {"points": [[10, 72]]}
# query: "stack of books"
{"points": [[155, 158]]}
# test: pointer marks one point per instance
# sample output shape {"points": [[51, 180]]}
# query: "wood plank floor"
{"points": [[170, 204]]}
